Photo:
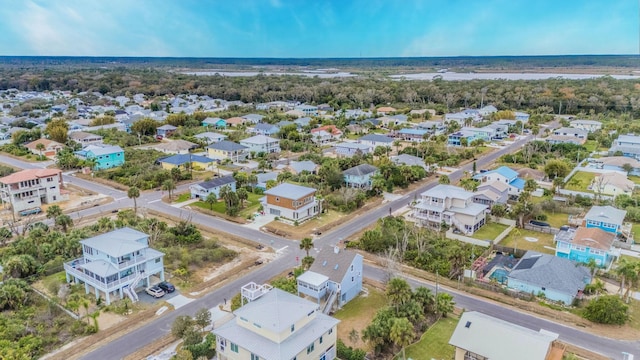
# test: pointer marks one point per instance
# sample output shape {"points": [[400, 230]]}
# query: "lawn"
{"points": [[580, 181], [219, 206], [591, 145], [358, 313], [182, 198], [434, 343], [635, 229], [557, 219], [634, 178], [517, 239], [489, 231]]}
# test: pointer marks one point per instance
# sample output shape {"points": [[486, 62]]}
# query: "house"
{"points": [[302, 122], [214, 122], [618, 163], [375, 140], [409, 160], [253, 118], [85, 138], [307, 110], [273, 324], [612, 183], [261, 144], [325, 107], [407, 134], [50, 148], [176, 147], [203, 189], [210, 137], [626, 145], [297, 167], [487, 110], [166, 130], [263, 178], [587, 125], [491, 193], [480, 336], [558, 279], [383, 110], [227, 150], [335, 276], [432, 127], [567, 135], [467, 135], [392, 121], [331, 129], [505, 175], [321, 137], [105, 156], [291, 202], [29, 189], [606, 218], [116, 263], [265, 129], [357, 129], [360, 176], [452, 206], [521, 116], [185, 161], [464, 117], [235, 121], [349, 149], [584, 244]]}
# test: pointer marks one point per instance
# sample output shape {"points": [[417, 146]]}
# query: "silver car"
{"points": [[155, 291]]}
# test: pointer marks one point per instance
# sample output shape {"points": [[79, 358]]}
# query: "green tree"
{"points": [[444, 304], [40, 147], [53, 211], [211, 199], [607, 310], [64, 221], [424, 297], [243, 195], [399, 292], [145, 127], [444, 179], [169, 186], [180, 325], [57, 130], [307, 261], [134, 193], [19, 266], [306, 244], [556, 168], [402, 333], [203, 318], [13, 294]]}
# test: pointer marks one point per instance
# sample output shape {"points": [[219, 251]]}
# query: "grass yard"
{"points": [[358, 313], [489, 231], [182, 198], [591, 145], [634, 178], [517, 239], [434, 343], [580, 181], [252, 205], [557, 219], [635, 229]]}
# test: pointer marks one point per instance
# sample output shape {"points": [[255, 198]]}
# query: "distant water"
{"points": [[453, 76], [311, 73]]}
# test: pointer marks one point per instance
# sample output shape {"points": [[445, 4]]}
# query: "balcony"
{"points": [[102, 285]]}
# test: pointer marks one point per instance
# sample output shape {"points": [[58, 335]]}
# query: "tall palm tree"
{"points": [[40, 147], [64, 221], [399, 292], [211, 199], [134, 193], [168, 185], [402, 333], [306, 244]]}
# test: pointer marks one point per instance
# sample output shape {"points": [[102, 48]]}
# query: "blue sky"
{"points": [[329, 28]]}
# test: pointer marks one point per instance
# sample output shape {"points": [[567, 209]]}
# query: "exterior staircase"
{"points": [[459, 226], [131, 289], [329, 304]]}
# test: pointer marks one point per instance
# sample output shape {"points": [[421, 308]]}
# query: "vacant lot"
{"points": [[358, 313], [251, 206], [530, 240], [580, 181], [434, 343]]}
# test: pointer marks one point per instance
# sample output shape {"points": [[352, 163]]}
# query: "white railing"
{"points": [[93, 281]]}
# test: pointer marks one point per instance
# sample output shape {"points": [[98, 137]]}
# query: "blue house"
{"points": [[360, 176], [184, 160], [584, 244], [166, 130], [336, 275], [417, 135], [203, 189], [606, 218], [105, 156], [265, 129], [504, 175], [556, 278], [214, 122]]}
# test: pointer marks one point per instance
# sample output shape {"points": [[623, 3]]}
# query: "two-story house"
{"points": [[210, 137], [29, 189], [491, 193], [307, 110], [567, 135], [375, 140], [584, 244], [261, 144], [203, 189], [166, 130], [482, 337], [335, 277], [105, 156], [470, 134], [612, 183], [360, 176], [291, 202], [275, 325], [417, 135], [265, 129], [85, 138], [606, 218], [626, 145], [216, 123], [186, 161], [116, 263], [452, 206], [227, 150], [588, 125], [505, 175], [348, 149]]}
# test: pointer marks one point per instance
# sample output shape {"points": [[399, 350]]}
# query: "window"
{"points": [[310, 348], [330, 331], [158, 260], [257, 325], [293, 327], [352, 279], [234, 347], [351, 267], [255, 357], [277, 199], [320, 339]]}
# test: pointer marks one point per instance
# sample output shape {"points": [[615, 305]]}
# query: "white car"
{"points": [[155, 291]]}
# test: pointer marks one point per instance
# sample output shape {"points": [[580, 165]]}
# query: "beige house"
{"points": [[29, 189], [274, 325], [85, 138], [482, 337], [612, 183], [49, 148], [452, 206]]}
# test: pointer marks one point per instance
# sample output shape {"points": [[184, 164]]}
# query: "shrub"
{"points": [[607, 310]]}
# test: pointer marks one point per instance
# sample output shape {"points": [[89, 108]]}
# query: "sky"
{"points": [[318, 29]]}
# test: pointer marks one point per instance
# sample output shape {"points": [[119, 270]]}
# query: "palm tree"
{"points": [[53, 212], [444, 179], [307, 261], [306, 244], [242, 196], [211, 199], [168, 185], [40, 147], [64, 221], [398, 292], [402, 333], [134, 193]]}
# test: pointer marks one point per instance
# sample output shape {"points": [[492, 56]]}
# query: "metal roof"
{"points": [[448, 191], [180, 159], [377, 138], [607, 214], [118, 242], [360, 170], [226, 145], [290, 191], [313, 278]]}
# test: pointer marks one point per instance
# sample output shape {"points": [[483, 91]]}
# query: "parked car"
{"points": [[539, 223], [167, 287], [259, 262], [30, 211], [155, 291]]}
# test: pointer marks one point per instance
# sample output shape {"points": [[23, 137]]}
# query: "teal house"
{"points": [[584, 244], [360, 177], [606, 218], [105, 156]]}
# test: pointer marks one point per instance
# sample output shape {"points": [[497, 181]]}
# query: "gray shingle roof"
{"points": [[226, 145], [300, 166], [221, 181], [290, 191], [377, 138], [551, 272], [333, 265], [607, 214], [360, 170]]}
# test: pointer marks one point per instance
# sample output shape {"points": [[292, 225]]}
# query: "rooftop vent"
{"points": [[468, 324], [324, 263], [335, 267]]}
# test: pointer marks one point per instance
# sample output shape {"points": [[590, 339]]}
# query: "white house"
{"points": [[29, 189], [587, 125], [116, 263], [612, 183], [261, 144]]}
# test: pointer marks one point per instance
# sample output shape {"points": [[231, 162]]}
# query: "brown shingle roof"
{"points": [[594, 238], [29, 174]]}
